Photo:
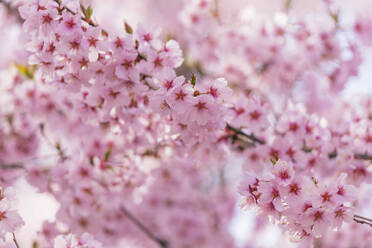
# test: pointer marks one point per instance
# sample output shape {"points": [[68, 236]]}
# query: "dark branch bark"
{"points": [[15, 240], [252, 137], [363, 156], [11, 166], [362, 220], [162, 243]]}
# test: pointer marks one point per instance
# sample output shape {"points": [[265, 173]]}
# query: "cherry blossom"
{"points": [[144, 133]]}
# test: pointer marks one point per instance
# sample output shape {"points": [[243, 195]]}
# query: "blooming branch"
{"points": [[125, 120], [254, 139], [87, 13]]}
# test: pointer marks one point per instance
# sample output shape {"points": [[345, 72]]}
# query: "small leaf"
{"points": [[128, 28], [107, 155], [335, 16], [26, 70], [104, 33], [150, 153], [274, 160], [193, 80], [89, 12]]}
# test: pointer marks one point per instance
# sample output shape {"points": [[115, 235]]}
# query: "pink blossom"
{"points": [[10, 220]]}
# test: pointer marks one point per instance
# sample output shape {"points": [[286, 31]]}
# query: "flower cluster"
{"points": [[10, 220], [226, 44], [18, 143], [196, 110], [304, 207], [140, 143], [102, 71]]}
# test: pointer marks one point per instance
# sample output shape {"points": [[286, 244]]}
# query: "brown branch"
{"points": [[362, 220], [15, 240], [252, 137], [287, 5], [20, 164], [11, 166], [162, 243], [364, 156]]}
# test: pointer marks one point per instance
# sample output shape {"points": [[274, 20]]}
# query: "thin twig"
{"points": [[363, 156], [20, 164], [11, 166], [362, 220], [287, 5], [162, 243], [331, 155], [15, 241], [252, 137]]}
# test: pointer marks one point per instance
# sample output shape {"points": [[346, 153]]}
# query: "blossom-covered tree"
{"points": [[140, 134]]}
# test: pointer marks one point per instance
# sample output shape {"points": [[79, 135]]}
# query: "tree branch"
{"points": [[162, 243], [11, 166], [15, 240], [362, 220], [364, 156], [252, 137]]}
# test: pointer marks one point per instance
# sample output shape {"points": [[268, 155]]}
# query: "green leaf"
{"points": [[193, 80], [335, 16], [128, 28], [26, 70], [274, 160], [107, 155], [89, 12]]}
